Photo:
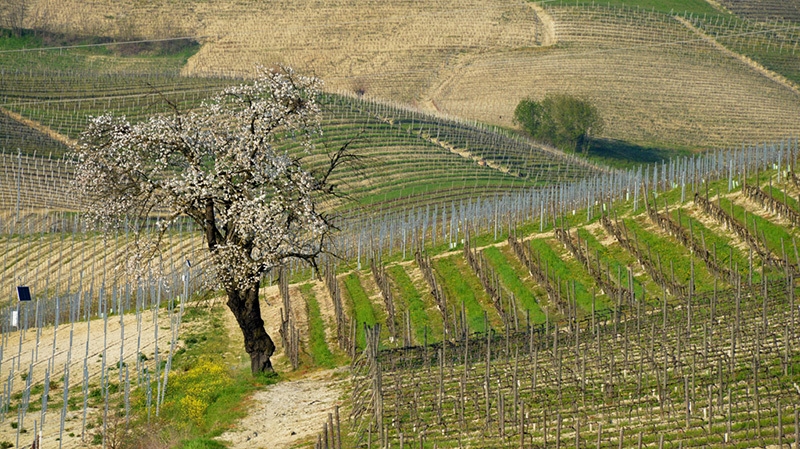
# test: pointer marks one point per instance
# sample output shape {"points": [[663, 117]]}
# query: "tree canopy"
{"points": [[562, 120], [221, 166]]}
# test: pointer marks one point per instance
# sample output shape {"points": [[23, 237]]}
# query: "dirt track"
{"points": [[287, 413]]}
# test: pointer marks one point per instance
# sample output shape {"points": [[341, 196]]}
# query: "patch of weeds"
{"points": [[362, 307], [320, 352], [201, 443]]}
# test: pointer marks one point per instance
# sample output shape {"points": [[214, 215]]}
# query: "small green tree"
{"points": [[528, 115], [563, 120]]}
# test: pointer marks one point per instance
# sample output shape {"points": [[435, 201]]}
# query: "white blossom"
{"points": [[222, 155]]}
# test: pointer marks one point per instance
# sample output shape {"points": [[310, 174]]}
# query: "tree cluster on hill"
{"points": [[562, 120]]}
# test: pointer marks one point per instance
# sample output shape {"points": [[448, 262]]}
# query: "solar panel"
{"points": [[24, 293]]}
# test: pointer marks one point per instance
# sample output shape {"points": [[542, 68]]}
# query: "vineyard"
{"points": [[664, 313], [487, 290], [654, 72], [764, 10], [674, 325]]}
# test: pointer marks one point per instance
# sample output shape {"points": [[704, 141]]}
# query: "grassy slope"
{"points": [[412, 302], [462, 287], [512, 274], [90, 54], [362, 310], [569, 274], [320, 352], [663, 6]]}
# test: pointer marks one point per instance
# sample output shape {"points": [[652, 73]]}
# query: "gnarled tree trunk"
{"points": [[247, 310]]}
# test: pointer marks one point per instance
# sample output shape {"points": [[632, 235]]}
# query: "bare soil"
{"points": [[287, 413], [119, 337]]}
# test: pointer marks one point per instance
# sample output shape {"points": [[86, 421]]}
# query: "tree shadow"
{"points": [[618, 153]]}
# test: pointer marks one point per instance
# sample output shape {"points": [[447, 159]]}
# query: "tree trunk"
{"points": [[247, 310]]}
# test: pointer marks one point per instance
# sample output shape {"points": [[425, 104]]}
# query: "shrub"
{"points": [[563, 120]]}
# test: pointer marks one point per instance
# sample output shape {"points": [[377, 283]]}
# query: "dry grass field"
{"points": [[656, 81], [653, 80]]}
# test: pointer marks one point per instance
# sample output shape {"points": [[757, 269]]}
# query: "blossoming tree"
{"points": [[219, 165]]}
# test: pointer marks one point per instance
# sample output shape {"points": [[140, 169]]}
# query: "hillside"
{"points": [[661, 82], [484, 289], [670, 324], [674, 293]]}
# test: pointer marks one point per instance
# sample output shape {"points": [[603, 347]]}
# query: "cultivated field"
{"points": [[660, 82], [690, 298], [488, 291], [763, 10], [650, 76]]}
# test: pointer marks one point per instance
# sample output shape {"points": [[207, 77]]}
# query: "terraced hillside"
{"points": [[660, 82], [674, 293], [763, 10], [407, 156]]}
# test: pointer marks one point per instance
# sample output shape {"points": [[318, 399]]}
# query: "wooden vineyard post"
{"points": [[599, 434], [558, 432], [780, 422], [688, 403], [331, 432], [440, 395], [786, 344], [522, 425], [728, 426], [338, 429], [486, 376], [796, 428], [501, 418], [461, 405]]}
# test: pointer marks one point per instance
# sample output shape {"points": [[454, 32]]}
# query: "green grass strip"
{"points": [[511, 277], [610, 260], [457, 287], [724, 249], [413, 301], [568, 271], [674, 256], [771, 232], [318, 345], [363, 312]]}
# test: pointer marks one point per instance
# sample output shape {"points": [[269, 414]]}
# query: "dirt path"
{"points": [[291, 411], [287, 413]]}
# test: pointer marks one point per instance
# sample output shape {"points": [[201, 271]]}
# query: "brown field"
{"points": [[654, 80]]}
